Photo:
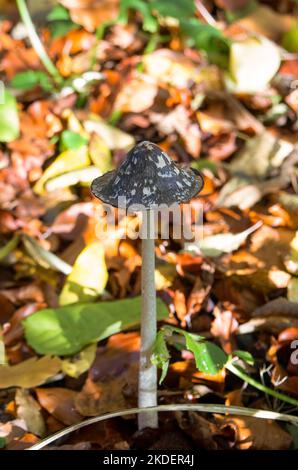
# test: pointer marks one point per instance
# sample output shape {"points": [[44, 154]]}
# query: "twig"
{"points": [[205, 13], [203, 407]]}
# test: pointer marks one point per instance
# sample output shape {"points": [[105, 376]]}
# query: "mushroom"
{"points": [[147, 179]]}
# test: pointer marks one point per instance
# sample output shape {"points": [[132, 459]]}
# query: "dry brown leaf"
{"points": [[112, 381], [265, 21], [91, 13], [59, 402], [136, 95], [29, 373], [255, 433], [199, 428]]}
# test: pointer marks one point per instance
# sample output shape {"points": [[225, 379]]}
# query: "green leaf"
{"points": [[207, 38], [44, 258], [88, 277], [150, 23], [9, 247], [66, 162], [31, 78], [2, 442], [58, 13], [71, 140], [161, 356], [60, 21], [209, 358], [290, 39], [245, 356], [9, 118], [176, 9], [66, 330]]}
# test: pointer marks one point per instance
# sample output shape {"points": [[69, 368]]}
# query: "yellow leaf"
{"points": [[293, 289], [29, 373], [78, 364], [113, 137], [291, 261], [88, 277], [100, 154], [67, 161], [253, 63]]}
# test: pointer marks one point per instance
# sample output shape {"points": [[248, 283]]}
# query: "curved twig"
{"points": [[206, 408]]}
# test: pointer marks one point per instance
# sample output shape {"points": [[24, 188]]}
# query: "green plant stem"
{"points": [[239, 372], [36, 42]]}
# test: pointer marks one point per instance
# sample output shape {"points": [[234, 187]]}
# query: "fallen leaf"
{"points": [[29, 373], [136, 95], [216, 245], [29, 410], [198, 428], [260, 156], [77, 365], [253, 63], [67, 161], [254, 433], [113, 137], [66, 330], [91, 14], [88, 277], [9, 119], [59, 402]]}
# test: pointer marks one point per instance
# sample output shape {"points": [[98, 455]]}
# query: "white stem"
{"points": [[147, 371]]}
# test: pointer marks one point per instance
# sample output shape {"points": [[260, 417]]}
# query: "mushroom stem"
{"points": [[147, 371]]}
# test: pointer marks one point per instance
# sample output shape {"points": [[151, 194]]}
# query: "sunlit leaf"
{"points": [[84, 176], [29, 373], [45, 258], [77, 365], [88, 277], [293, 289], [66, 330], [216, 245], [113, 137], [100, 154], [290, 39], [253, 63], [67, 161], [9, 118]]}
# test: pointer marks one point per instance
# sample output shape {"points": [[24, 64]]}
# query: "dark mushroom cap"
{"points": [[147, 177]]}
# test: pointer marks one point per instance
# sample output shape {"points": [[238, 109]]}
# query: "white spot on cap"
{"points": [[161, 163]]}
